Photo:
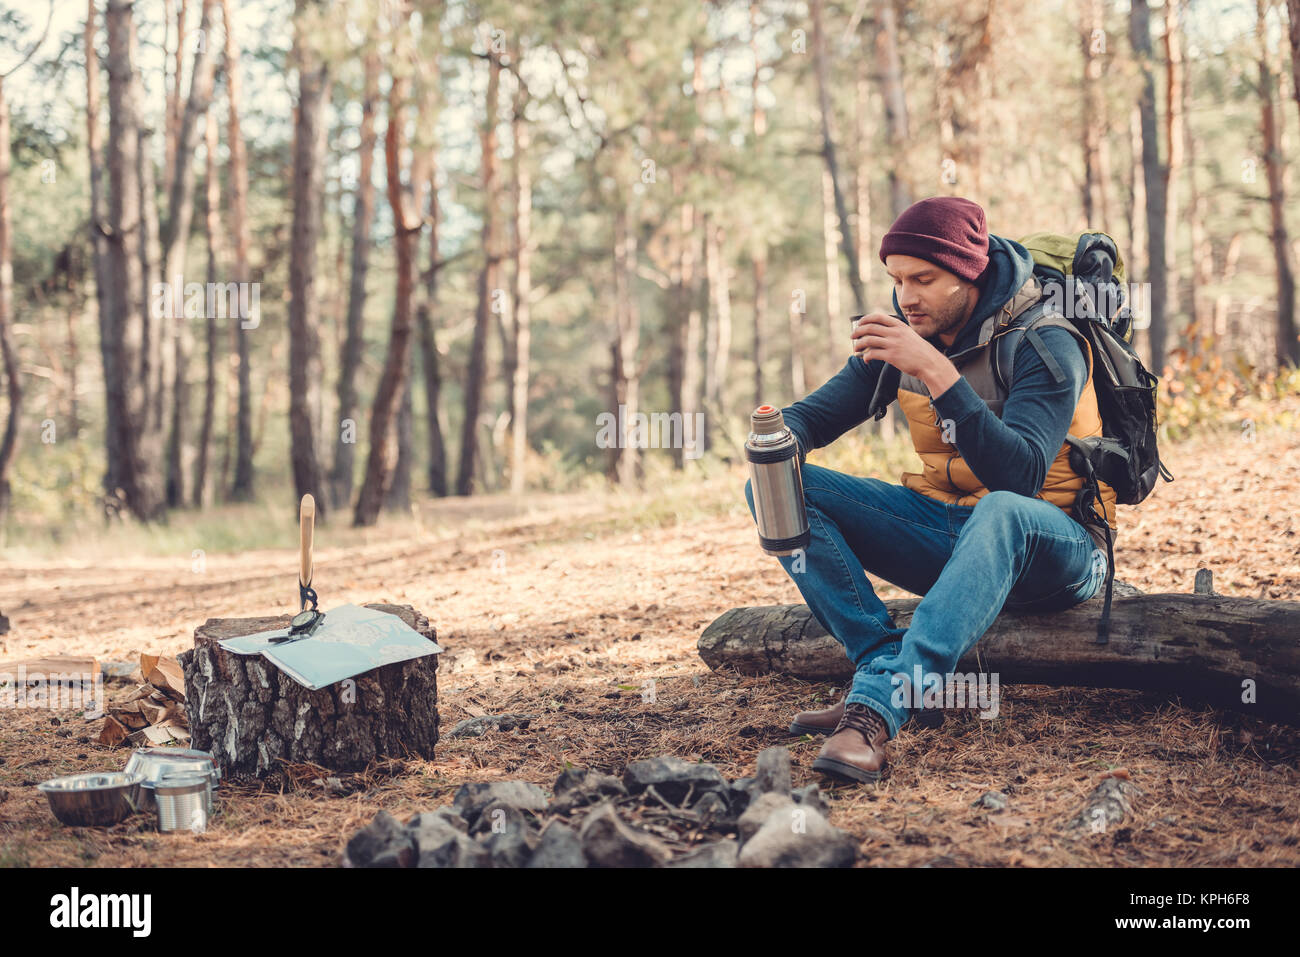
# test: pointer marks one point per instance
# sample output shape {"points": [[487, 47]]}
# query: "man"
{"points": [[989, 520]]}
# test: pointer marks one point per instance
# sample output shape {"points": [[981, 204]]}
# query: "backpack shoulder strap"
{"points": [[1036, 317]]}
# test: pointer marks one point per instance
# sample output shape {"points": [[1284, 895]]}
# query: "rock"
{"points": [[673, 778], [773, 774], [760, 809], [993, 800], [477, 727], [381, 843], [811, 796], [608, 842], [441, 840], [578, 787], [712, 808], [430, 832], [1107, 806], [739, 793], [445, 814], [558, 847], [717, 854], [509, 849], [497, 818], [471, 799], [797, 837], [510, 840], [444, 846]]}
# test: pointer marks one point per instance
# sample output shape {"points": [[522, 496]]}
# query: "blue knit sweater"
{"points": [[1011, 453]]}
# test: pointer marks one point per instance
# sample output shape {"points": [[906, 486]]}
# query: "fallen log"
{"points": [[253, 717], [1241, 654]]}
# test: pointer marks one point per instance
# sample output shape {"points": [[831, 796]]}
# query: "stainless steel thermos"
{"points": [[777, 483]]}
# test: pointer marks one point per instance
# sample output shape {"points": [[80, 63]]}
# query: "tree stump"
{"points": [[252, 717]]}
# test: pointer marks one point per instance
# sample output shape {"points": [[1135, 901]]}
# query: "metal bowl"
{"points": [[153, 763], [96, 799]]}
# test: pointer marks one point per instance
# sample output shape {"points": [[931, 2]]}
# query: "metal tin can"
{"points": [[182, 798], [153, 763]]}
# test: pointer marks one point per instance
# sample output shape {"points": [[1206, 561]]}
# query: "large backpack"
{"points": [[1082, 276]]}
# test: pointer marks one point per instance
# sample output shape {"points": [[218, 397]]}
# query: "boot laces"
{"points": [[862, 719]]}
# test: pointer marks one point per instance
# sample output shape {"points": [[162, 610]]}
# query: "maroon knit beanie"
{"points": [[945, 230]]}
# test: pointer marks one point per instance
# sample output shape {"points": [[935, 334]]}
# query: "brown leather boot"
{"points": [[856, 751], [818, 722]]}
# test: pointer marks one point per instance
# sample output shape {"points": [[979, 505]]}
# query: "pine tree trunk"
{"points": [[73, 321], [140, 479], [242, 486], [1174, 138], [398, 497], [710, 328], [1094, 124], [429, 350], [945, 179], [847, 243], [111, 482], [1230, 259], [1137, 198], [156, 355], [212, 194], [363, 214], [866, 250], [719, 342], [487, 284], [760, 310], [797, 384], [392, 382], [692, 372], [523, 285], [862, 172], [835, 333], [1287, 346], [1293, 25], [304, 331], [1202, 274], [180, 212], [8, 355], [624, 343], [1153, 183], [172, 120], [682, 298], [758, 125], [891, 80]]}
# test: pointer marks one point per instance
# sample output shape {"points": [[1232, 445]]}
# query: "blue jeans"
{"points": [[967, 561]]}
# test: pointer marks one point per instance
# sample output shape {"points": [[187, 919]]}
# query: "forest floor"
{"points": [[566, 606]]}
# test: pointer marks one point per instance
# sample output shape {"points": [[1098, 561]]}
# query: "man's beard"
{"points": [[951, 318]]}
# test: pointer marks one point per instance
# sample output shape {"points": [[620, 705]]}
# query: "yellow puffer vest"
{"points": [[945, 475]]}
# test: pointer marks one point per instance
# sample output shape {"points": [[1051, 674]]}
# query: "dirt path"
{"points": [[558, 609]]}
